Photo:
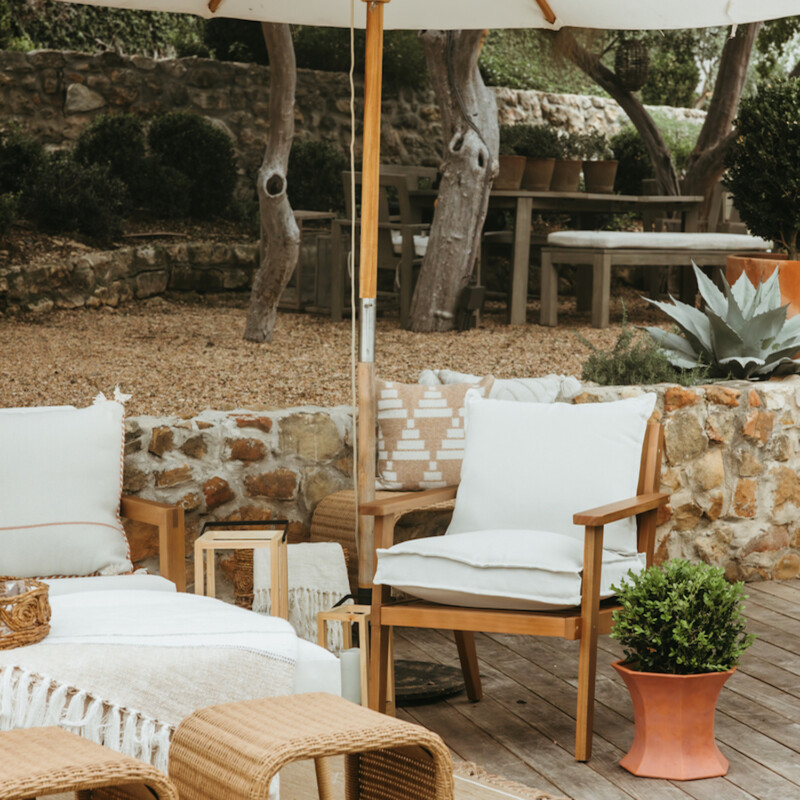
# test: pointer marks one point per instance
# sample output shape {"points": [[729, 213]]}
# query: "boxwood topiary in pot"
{"points": [[541, 146], [512, 164], [683, 633], [763, 175], [599, 166]]}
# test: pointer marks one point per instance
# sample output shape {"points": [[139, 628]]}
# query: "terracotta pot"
{"points": [[511, 171], [674, 724], [566, 175], [538, 174], [599, 176], [759, 267]]}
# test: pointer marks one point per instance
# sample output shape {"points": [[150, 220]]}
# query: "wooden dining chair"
{"points": [[450, 592]]}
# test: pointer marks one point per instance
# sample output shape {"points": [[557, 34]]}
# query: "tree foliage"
{"points": [[763, 172], [61, 26]]}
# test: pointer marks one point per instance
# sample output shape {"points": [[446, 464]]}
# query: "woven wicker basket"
{"points": [[24, 612]]}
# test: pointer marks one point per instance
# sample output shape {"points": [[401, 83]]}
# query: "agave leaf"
{"points": [[771, 367], [762, 330], [668, 340], [693, 322], [783, 350], [742, 367], [727, 342], [742, 290], [712, 296], [767, 296]]}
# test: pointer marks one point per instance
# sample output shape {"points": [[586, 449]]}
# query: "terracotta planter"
{"points": [[511, 171], [759, 267], [538, 174], [566, 175], [599, 176], [674, 724]]}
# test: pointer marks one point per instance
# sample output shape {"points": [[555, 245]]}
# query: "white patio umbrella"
{"points": [[444, 15]]}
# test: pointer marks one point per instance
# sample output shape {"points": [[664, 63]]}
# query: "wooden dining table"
{"points": [[526, 203]]}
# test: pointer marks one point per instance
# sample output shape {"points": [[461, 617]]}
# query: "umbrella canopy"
{"points": [[479, 14]]}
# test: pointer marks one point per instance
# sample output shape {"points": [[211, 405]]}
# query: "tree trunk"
{"points": [[566, 43], [705, 165], [280, 236], [472, 134]]}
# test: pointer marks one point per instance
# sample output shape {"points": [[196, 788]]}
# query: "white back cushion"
{"points": [[532, 465], [60, 483]]}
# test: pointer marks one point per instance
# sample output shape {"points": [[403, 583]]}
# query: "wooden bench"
{"points": [[603, 250]]}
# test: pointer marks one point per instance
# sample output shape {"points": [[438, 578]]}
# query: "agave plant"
{"points": [[742, 333]]}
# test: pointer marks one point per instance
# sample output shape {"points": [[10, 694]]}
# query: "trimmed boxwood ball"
{"points": [[680, 619], [194, 146], [115, 141], [763, 168], [315, 176], [20, 157]]}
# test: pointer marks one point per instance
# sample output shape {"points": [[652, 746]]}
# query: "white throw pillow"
{"points": [[533, 465], [531, 570], [547, 389], [60, 485]]}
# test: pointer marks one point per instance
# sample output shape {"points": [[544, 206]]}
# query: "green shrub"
{"points": [[672, 78], [203, 153], [680, 136], [236, 40], [20, 156], [680, 619], [532, 141], [163, 190], [65, 196], [115, 141], [634, 163], [634, 359], [315, 176], [593, 146], [8, 213], [763, 171]]}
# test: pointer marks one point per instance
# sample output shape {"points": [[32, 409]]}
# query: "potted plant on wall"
{"points": [[541, 146], [599, 166], [567, 169], [512, 164], [682, 631], [763, 174]]}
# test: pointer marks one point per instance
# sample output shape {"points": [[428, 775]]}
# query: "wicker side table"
{"points": [[234, 750], [40, 761]]}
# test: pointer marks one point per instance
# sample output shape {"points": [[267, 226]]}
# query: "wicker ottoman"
{"points": [[41, 761], [234, 750]]}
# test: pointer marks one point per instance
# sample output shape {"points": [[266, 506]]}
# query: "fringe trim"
{"points": [[28, 700], [304, 605]]}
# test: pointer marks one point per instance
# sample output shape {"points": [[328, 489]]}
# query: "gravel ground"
{"points": [[179, 357]]}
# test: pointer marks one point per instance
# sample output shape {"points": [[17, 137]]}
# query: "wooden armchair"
{"points": [[441, 609]]}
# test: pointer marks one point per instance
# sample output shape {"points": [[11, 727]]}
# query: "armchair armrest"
{"points": [[407, 501], [603, 515], [171, 534]]}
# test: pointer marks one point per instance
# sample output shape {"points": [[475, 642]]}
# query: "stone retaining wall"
{"points": [[731, 464], [111, 277], [55, 95]]}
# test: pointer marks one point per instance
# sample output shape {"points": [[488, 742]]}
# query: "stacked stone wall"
{"points": [[55, 95], [731, 464]]}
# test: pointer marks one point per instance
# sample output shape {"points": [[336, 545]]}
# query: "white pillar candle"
{"points": [[350, 665]]}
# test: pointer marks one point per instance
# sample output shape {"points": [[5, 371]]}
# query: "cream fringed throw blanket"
{"points": [[123, 668]]}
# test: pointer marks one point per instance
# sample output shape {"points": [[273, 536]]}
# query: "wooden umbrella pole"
{"points": [[368, 284]]}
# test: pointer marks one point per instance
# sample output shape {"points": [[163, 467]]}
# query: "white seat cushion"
{"points": [[139, 581], [420, 243], [533, 465], [512, 569], [660, 241], [547, 389], [60, 485]]}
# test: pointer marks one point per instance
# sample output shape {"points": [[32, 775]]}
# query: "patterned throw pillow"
{"points": [[421, 433]]}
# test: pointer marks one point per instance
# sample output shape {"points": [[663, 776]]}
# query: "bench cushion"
{"points": [[659, 241]]}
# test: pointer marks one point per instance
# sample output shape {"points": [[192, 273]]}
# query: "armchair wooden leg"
{"points": [[587, 659], [465, 642], [379, 666]]}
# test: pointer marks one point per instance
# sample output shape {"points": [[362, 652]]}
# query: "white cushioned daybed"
{"points": [[601, 250], [127, 656]]}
